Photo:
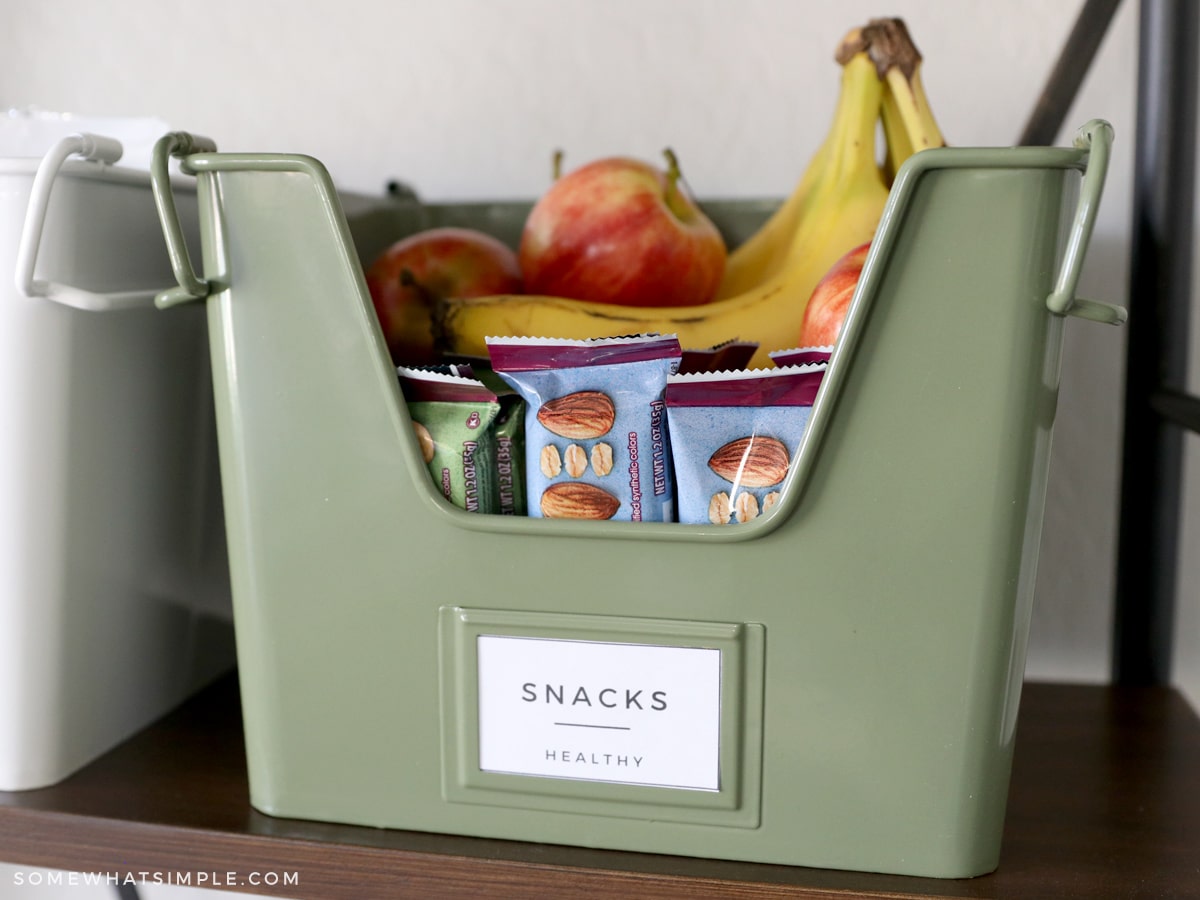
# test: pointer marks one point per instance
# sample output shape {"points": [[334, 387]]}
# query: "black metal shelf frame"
{"points": [[1158, 410]]}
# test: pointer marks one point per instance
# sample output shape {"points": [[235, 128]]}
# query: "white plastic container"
{"points": [[114, 596]]}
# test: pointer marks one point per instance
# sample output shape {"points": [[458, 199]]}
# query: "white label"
{"points": [[629, 713]]}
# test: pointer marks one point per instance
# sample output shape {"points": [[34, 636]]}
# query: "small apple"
{"points": [[618, 230], [830, 299], [437, 263]]}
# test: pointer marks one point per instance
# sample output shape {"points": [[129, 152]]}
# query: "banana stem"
{"points": [[909, 124], [892, 47]]}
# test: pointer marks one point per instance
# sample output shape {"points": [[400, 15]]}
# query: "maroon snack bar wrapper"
{"points": [[800, 356], [726, 356]]}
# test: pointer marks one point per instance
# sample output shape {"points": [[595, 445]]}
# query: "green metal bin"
{"points": [[840, 678]]}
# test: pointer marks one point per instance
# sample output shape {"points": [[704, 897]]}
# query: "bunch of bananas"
{"points": [[769, 278]]}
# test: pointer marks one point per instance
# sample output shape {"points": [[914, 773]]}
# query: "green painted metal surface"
{"points": [[889, 591]]}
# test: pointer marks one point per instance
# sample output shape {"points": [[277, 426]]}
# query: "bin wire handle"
{"points": [[1096, 137], [191, 287], [92, 147]]}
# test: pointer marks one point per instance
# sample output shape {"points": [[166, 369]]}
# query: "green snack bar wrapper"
{"points": [[509, 429], [453, 415]]}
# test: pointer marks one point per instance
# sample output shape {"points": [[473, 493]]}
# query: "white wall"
{"points": [[467, 99]]}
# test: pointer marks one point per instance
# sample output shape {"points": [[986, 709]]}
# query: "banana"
{"points": [[908, 126], [908, 122], [763, 254], [899, 146], [838, 210]]}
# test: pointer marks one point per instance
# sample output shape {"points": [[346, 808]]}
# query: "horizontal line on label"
{"points": [[586, 725]]}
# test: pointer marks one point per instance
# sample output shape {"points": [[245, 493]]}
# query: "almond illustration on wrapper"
{"points": [[424, 441], [719, 509], [578, 500], [549, 461], [755, 461], [579, 416], [602, 459], [575, 460], [745, 507]]}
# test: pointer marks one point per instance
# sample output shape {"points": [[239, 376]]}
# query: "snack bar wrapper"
{"points": [[731, 354], [799, 356], [509, 431], [508, 427], [452, 414], [596, 442], [733, 437]]}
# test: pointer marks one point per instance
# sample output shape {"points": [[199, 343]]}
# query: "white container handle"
{"points": [[92, 147]]}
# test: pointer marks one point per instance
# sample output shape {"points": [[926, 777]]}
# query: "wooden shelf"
{"points": [[1104, 802]]}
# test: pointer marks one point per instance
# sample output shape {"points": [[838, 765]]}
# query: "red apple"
{"points": [[407, 278], [830, 299], [621, 231]]}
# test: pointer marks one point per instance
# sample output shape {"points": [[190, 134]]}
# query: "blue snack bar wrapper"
{"points": [[596, 441], [734, 435]]}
